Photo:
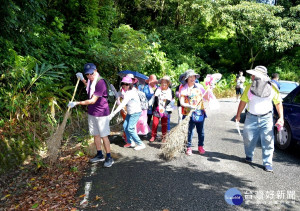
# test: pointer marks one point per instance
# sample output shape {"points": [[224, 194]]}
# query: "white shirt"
{"points": [[240, 81], [260, 105], [132, 101]]}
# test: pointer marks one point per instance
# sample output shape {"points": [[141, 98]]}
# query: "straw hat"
{"points": [[191, 72], [259, 71], [166, 78], [134, 80], [152, 79]]}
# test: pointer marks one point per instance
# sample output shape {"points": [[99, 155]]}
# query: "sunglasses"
{"points": [[125, 84], [90, 74]]}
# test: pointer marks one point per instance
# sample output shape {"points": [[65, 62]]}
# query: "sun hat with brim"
{"points": [[89, 68], [259, 71], [134, 80], [190, 73], [152, 79], [126, 80], [166, 78], [182, 78]]}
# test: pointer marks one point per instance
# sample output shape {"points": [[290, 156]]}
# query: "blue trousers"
{"points": [[129, 126], [200, 130]]}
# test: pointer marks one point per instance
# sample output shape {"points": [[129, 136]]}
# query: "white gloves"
{"points": [[72, 104], [79, 76], [179, 114], [111, 116]]}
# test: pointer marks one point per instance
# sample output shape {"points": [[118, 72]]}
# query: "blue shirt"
{"points": [[276, 82]]}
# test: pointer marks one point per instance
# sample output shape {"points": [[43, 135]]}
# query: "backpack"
{"points": [[143, 99], [111, 91]]}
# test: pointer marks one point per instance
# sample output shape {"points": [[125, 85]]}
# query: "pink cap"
{"points": [[127, 80]]}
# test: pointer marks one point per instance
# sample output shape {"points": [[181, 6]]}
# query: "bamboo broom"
{"points": [[176, 139], [54, 142]]}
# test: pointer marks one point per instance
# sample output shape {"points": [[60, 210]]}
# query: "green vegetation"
{"points": [[44, 43]]}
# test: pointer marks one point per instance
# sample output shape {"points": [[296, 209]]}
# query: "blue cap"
{"points": [[89, 68]]}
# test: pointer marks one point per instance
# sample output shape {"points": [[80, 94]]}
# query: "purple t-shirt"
{"points": [[100, 108]]}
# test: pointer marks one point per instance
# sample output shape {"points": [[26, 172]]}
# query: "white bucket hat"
{"points": [[259, 71], [191, 72]]}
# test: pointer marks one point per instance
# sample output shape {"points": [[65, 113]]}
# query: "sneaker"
{"points": [[129, 145], [139, 147], [97, 159], [152, 139], [248, 160], [189, 151], [108, 162], [268, 168], [201, 150]]}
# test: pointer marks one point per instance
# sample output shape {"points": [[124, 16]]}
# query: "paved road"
{"points": [[140, 180]]}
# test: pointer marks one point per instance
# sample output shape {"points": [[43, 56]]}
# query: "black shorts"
{"points": [[239, 91]]}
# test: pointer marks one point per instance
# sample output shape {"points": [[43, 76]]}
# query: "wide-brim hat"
{"points": [[259, 71], [152, 79], [190, 73], [89, 68], [166, 78], [134, 80], [127, 80], [182, 78]]}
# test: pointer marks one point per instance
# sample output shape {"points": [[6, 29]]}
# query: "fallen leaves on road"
{"points": [[44, 189]]}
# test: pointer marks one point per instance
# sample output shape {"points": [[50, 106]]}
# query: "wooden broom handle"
{"points": [[74, 91]]}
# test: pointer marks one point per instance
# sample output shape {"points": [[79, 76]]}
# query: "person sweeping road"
{"points": [[98, 112], [192, 98], [133, 104]]}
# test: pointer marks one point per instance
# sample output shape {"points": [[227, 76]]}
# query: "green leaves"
{"points": [[44, 73], [259, 25]]}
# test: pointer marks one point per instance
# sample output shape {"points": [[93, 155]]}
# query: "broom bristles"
{"points": [[54, 142], [176, 139]]}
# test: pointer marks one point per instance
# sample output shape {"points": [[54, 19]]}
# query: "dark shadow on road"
{"points": [[156, 144], [217, 156], [137, 184], [117, 140], [243, 117], [233, 140], [289, 157], [236, 131]]}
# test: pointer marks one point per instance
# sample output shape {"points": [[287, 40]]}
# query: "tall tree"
{"points": [[259, 27]]}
